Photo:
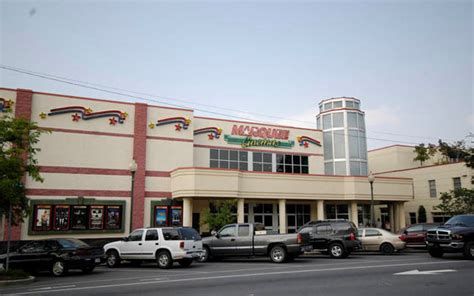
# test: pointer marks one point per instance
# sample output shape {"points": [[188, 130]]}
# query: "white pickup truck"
{"points": [[164, 245]]}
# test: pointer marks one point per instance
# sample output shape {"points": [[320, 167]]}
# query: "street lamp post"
{"points": [[133, 168], [372, 214]]}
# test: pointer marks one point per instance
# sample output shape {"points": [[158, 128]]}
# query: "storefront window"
{"points": [[297, 215], [337, 211], [263, 213], [363, 215]]}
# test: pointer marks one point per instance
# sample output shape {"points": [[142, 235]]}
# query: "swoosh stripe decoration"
{"points": [[5, 105], [305, 141], [179, 123], [80, 112], [213, 132]]}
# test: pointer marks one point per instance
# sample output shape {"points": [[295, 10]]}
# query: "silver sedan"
{"points": [[375, 239]]}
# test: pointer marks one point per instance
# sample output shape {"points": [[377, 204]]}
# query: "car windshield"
{"points": [[461, 221], [72, 243]]}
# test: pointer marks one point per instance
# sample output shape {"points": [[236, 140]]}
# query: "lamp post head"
{"points": [[371, 177], [133, 166]]}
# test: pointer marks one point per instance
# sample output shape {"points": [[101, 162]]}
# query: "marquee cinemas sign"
{"points": [[253, 136]]}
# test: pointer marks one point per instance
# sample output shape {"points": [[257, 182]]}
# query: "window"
{"points": [[244, 230], [372, 232], [318, 122], [329, 168], [338, 119], [337, 104], [352, 119], [340, 168], [432, 186], [189, 234], [327, 138], [412, 219], [151, 235], [296, 164], [228, 159], [356, 105], [297, 216], [136, 236], [355, 168], [361, 121], [457, 183], [328, 106], [307, 229], [171, 234], [337, 211], [263, 213], [416, 228], [327, 121], [354, 144], [228, 231], [349, 104], [262, 162], [339, 144], [323, 229]]}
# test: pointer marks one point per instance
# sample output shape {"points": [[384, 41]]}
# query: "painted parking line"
{"points": [[52, 287], [345, 268]]}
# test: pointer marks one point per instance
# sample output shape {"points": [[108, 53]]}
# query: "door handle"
{"points": [[156, 244], [232, 239], [139, 244]]}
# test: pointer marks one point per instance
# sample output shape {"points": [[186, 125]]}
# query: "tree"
{"points": [[222, 215], [421, 214], [18, 137], [469, 158], [456, 202], [421, 153]]}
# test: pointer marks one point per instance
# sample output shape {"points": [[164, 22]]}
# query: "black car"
{"points": [[455, 236], [55, 255], [338, 238]]}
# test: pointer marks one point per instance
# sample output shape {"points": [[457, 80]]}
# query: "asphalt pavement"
{"points": [[414, 273]]}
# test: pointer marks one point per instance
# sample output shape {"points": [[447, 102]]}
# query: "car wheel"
{"points": [[436, 253], [164, 260], [58, 268], [205, 255], [185, 262], [469, 251], [88, 269], [278, 254], [336, 250], [113, 259], [386, 249]]}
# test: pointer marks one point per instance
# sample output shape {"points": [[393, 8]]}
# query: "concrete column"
{"points": [[402, 220], [396, 217], [282, 209], [187, 212], [320, 209], [391, 217], [240, 210], [314, 211], [354, 216]]}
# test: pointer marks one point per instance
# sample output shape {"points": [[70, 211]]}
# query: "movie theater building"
{"points": [[110, 166]]}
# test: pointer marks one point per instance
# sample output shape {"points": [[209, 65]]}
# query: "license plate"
{"points": [[97, 260]]}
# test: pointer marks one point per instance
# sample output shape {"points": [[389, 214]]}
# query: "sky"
{"points": [[409, 62]]}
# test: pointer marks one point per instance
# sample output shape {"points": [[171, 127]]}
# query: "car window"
{"points": [[171, 234], [34, 247], [72, 243], [415, 228], [372, 232], [151, 235], [227, 231], [136, 236], [189, 234], [244, 230], [360, 232], [307, 229], [323, 229]]}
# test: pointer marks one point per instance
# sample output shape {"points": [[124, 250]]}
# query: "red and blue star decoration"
{"points": [[305, 141], [213, 132], [5, 105], [179, 123], [83, 113]]}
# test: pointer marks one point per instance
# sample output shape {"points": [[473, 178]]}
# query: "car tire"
{"points": [[278, 254], [185, 262], [58, 268], [469, 251], [436, 253], [164, 260], [88, 270], [386, 249], [112, 259], [205, 255], [336, 250]]}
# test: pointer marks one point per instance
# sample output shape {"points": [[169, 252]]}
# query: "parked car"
{"points": [[415, 234], [455, 236], [375, 239], [249, 240], [164, 245], [334, 237], [56, 255]]}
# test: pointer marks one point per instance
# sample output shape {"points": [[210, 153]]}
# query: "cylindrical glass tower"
{"points": [[344, 138]]}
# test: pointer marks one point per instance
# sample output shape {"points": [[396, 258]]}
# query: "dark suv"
{"points": [[455, 236], [334, 237]]}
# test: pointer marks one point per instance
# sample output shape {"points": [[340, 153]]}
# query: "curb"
{"points": [[28, 280]]}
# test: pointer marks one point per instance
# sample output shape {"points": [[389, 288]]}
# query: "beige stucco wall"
{"points": [[442, 174], [165, 155]]}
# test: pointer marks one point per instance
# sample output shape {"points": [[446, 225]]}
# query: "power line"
{"points": [[120, 93]]}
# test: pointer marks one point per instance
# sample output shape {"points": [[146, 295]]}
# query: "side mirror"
{"points": [[125, 239], [214, 233]]}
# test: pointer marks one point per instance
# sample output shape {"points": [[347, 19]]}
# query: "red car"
{"points": [[415, 234]]}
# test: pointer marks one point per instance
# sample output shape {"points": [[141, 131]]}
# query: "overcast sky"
{"points": [[409, 62]]}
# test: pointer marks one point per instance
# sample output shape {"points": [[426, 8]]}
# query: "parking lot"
{"points": [[360, 274]]}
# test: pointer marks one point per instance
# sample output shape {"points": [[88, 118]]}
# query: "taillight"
{"points": [[402, 237], [299, 239], [181, 244], [80, 252], [352, 236]]}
